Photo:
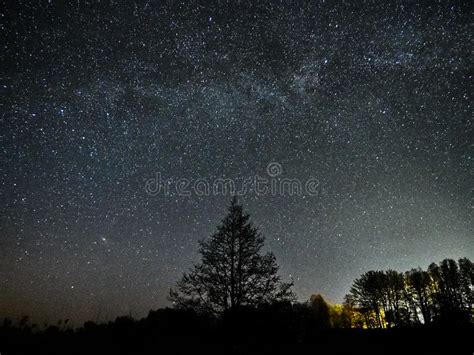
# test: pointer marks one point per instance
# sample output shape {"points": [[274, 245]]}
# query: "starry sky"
{"points": [[97, 97]]}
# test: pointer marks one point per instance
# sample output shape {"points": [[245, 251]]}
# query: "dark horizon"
{"points": [[355, 118], [100, 316]]}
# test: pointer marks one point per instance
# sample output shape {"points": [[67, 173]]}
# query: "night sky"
{"points": [[371, 100]]}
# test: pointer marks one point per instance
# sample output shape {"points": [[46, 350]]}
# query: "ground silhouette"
{"points": [[234, 302]]}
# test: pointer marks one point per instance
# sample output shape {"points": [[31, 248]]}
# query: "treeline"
{"points": [[443, 294], [431, 310], [278, 328], [234, 301], [236, 274]]}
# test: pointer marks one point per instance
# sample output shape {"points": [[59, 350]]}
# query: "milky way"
{"points": [[372, 100]]}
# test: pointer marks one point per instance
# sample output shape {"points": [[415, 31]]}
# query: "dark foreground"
{"points": [[173, 333], [330, 342]]}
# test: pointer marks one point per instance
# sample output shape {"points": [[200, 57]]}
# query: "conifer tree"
{"points": [[233, 272]]}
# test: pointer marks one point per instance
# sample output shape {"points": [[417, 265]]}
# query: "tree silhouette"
{"points": [[366, 292], [466, 269], [233, 272], [442, 294], [420, 285], [321, 311], [450, 301]]}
